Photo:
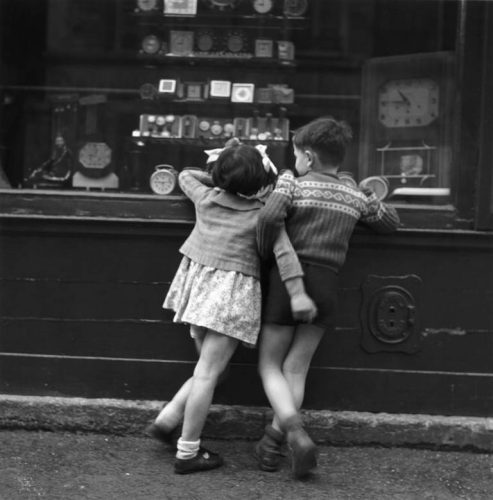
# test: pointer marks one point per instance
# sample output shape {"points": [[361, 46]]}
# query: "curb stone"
{"points": [[129, 417]]}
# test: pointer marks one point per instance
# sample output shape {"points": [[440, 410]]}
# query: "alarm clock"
{"points": [[163, 180], [407, 106]]}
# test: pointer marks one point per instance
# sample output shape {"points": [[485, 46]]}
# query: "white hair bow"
{"points": [[213, 155]]}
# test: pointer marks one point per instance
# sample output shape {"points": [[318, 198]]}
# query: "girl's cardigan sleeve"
{"points": [[194, 183]]}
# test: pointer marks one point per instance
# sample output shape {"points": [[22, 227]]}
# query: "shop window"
{"points": [[118, 96]]}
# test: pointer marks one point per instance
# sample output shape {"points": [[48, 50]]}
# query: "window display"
{"points": [[169, 79]]}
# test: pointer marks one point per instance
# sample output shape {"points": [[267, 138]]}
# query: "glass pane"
{"points": [[118, 96]]}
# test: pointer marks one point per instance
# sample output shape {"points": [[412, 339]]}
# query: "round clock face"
{"points": [[151, 44], [408, 103], [95, 155], [163, 180], [263, 6]]}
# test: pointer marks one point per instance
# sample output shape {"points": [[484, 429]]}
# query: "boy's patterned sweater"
{"points": [[320, 213]]}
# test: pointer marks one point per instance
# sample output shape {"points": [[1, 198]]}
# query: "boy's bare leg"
{"points": [[297, 363], [275, 341], [285, 356]]}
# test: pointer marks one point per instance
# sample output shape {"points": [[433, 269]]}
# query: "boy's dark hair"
{"points": [[327, 136], [239, 169]]}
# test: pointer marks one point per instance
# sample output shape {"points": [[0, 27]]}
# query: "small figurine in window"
{"points": [[55, 171]]}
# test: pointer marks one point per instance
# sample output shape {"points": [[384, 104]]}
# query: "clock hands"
{"points": [[404, 98]]}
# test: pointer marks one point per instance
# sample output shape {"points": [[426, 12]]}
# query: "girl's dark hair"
{"points": [[327, 136], [239, 169]]}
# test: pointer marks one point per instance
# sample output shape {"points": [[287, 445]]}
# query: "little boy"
{"points": [[320, 213]]}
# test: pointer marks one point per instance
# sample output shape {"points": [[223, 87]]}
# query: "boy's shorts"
{"points": [[320, 285]]}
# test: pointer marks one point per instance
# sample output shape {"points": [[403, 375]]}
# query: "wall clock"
{"points": [[406, 124]]}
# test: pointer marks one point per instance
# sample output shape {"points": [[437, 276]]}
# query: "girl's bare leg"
{"points": [[172, 413], [217, 350]]}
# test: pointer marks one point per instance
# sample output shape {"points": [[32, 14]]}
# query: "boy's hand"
{"points": [[303, 308]]}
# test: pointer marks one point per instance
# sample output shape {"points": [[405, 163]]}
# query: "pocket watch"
{"points": [[163, 180]]}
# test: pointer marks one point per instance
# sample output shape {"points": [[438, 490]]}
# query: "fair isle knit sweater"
{"points": [[224, 235], [320, 213]]}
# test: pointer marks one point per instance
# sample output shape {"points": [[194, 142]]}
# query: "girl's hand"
{"points": [[303, 308]]}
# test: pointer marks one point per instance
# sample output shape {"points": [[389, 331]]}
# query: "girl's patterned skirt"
{"points": [[228, 302]]}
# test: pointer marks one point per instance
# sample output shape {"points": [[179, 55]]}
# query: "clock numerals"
{"points": [[408, 103]]}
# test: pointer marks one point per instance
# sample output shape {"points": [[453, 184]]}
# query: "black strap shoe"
{"points": [[204, 460]]}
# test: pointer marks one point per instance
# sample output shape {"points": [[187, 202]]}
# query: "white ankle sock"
{"points": [[187, 450]]}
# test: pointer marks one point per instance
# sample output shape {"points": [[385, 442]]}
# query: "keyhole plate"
{"points": [[389, 313]]}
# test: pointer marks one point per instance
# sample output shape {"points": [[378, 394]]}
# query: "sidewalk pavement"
{"points": [[86, 466], [125, 417]]}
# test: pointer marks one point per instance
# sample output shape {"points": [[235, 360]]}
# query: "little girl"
{"points": [[217, 286]]}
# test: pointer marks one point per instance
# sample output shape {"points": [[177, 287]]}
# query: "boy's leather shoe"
{"points": [[304, 452], [204, 460], [268, 449]]}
